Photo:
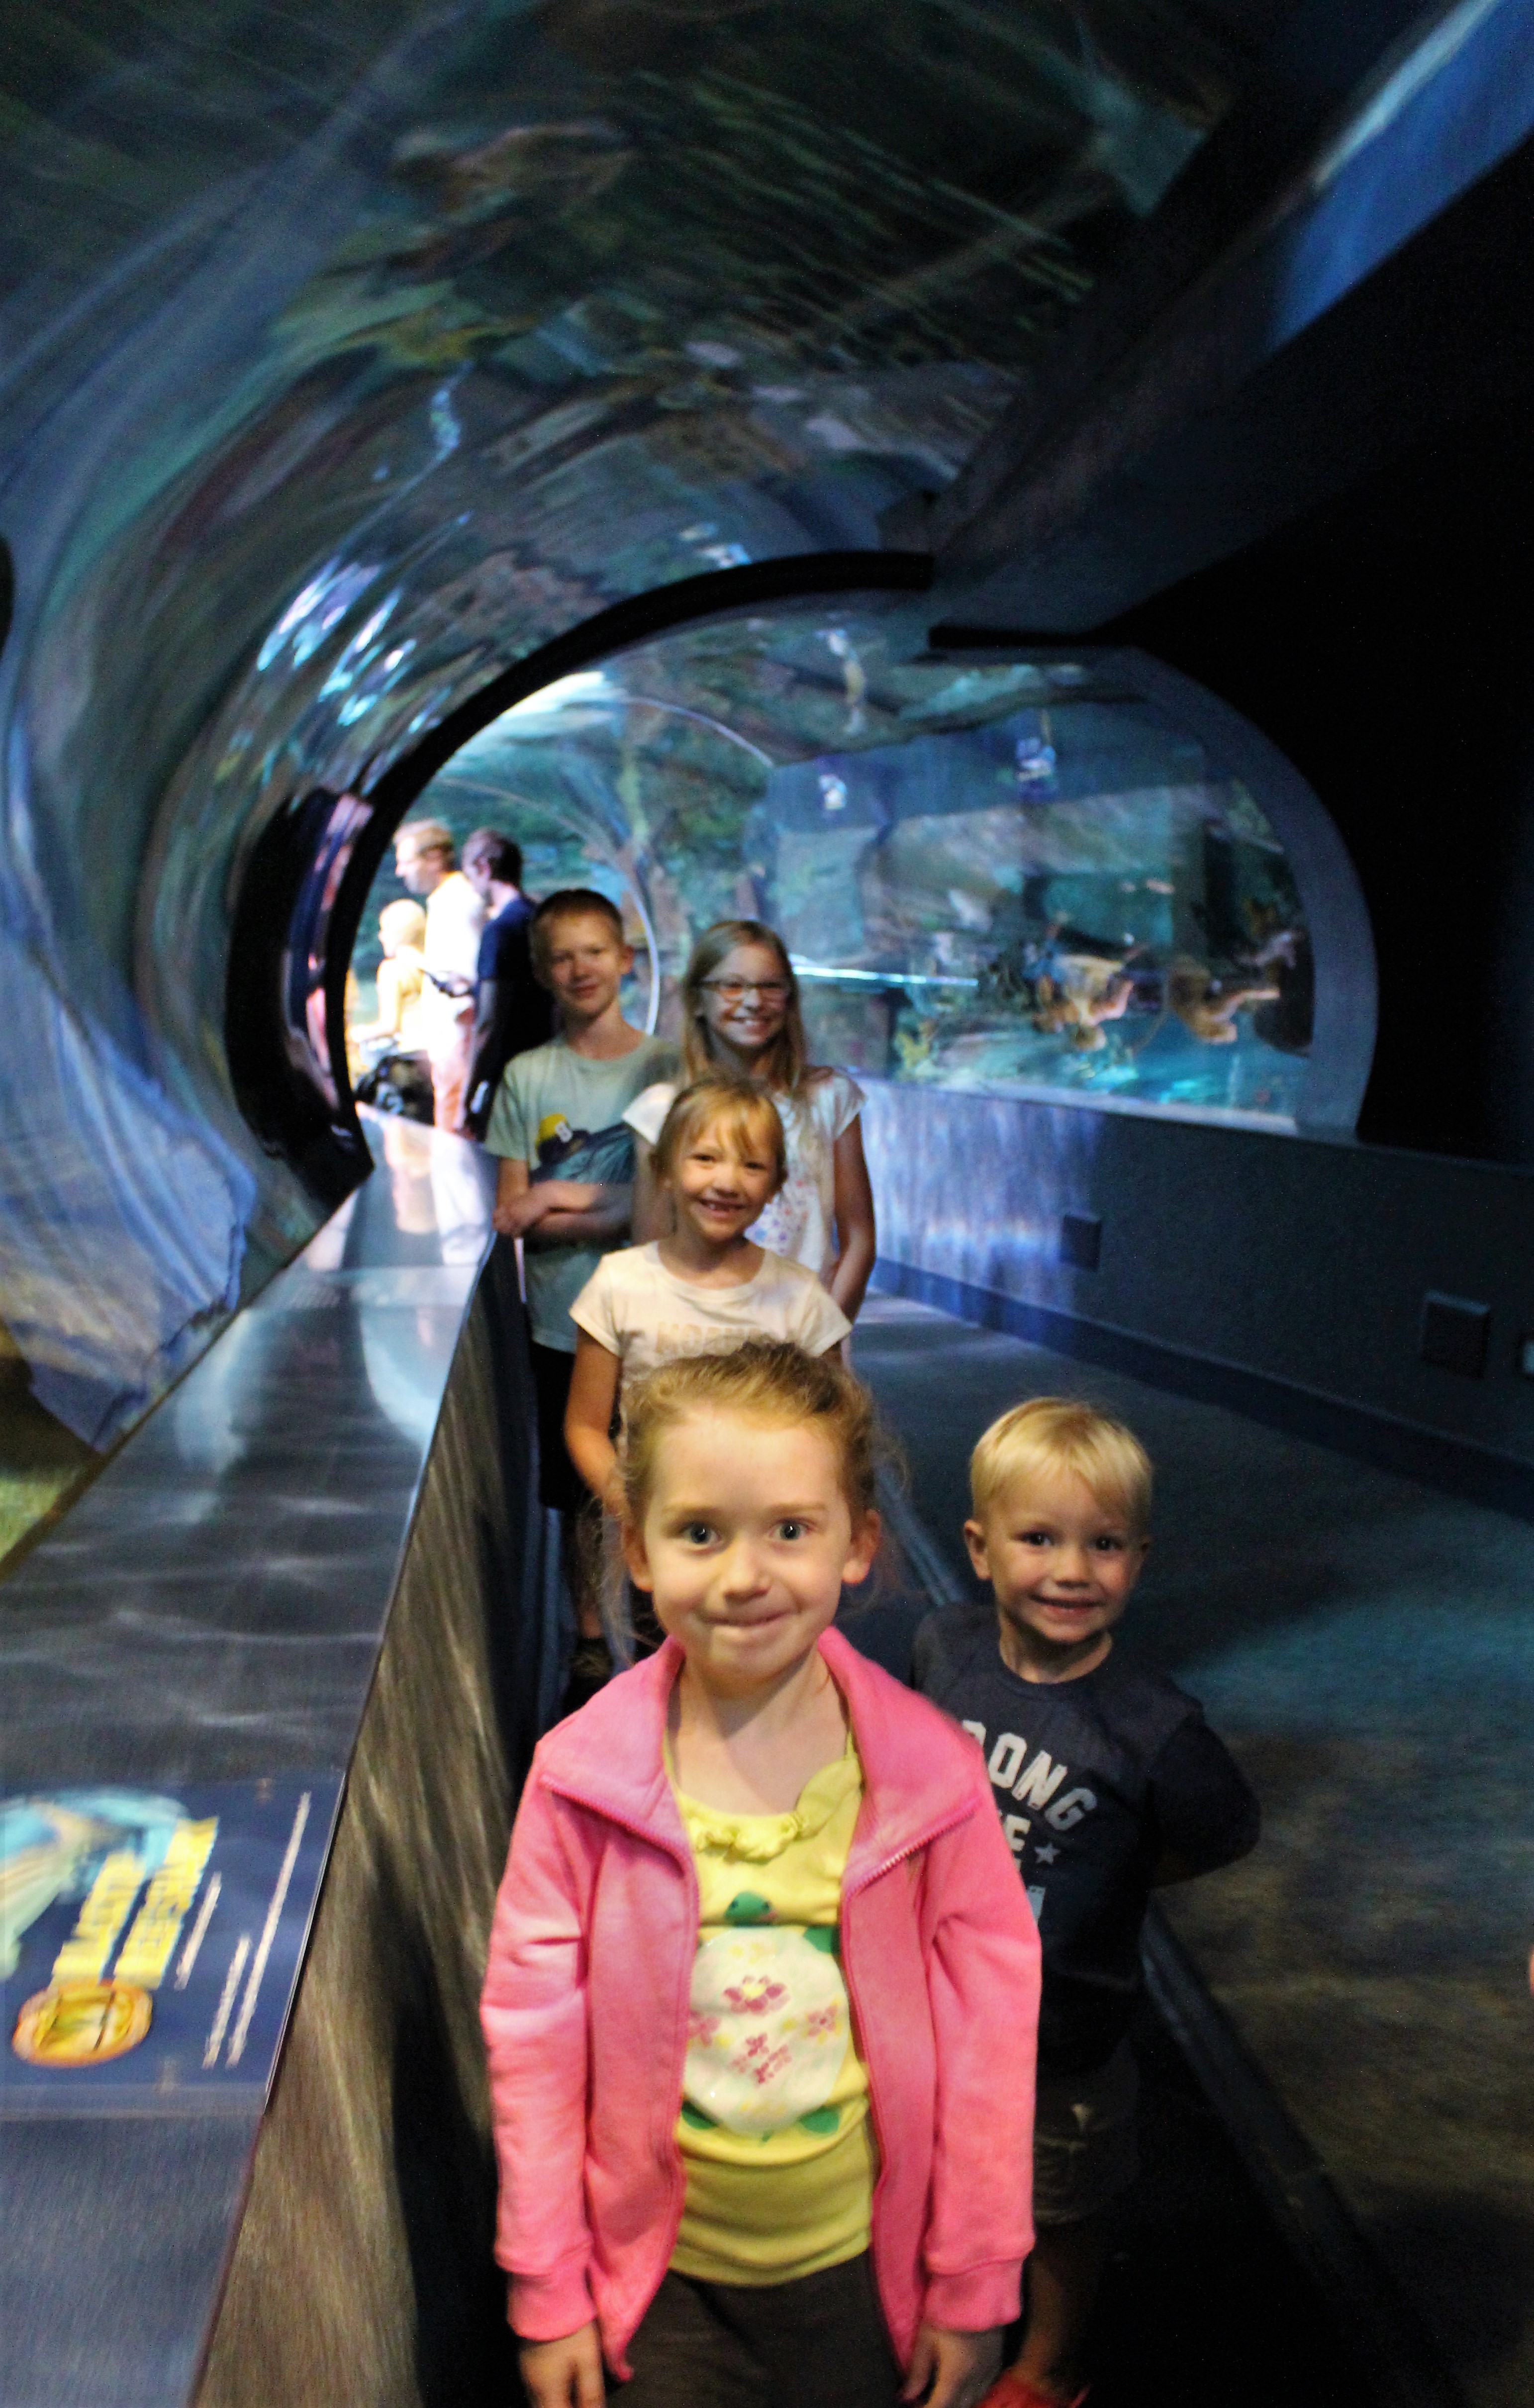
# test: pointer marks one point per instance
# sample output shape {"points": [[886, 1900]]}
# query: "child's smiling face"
{"points": [[722, 1183], [1062, 1566], [745, 1001], [584, 963], [747, 1541]]}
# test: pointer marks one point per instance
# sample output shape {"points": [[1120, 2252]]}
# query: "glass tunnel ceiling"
{"points": [[1017, 877], [343, 362]]}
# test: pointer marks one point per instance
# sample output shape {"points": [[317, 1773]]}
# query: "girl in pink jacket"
{"points": [[763, 1983]]}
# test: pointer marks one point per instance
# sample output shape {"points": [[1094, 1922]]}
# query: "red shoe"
{"points": [[1015, 2391]]}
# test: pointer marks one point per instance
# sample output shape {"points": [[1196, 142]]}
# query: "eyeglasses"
{"points": [[733, 990]]}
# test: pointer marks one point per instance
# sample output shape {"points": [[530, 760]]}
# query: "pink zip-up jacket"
{"points": [[586, 2001]]}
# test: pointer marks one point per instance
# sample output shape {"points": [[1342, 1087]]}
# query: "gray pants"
{"points": [[818, 2343]]}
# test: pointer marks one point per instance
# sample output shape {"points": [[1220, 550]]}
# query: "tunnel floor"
{"points": [[1200, 2307], [1366, 1647]]}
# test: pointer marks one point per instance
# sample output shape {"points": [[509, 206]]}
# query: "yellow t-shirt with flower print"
{"points": [[774, 2128]]}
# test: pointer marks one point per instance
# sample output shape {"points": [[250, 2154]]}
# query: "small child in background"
{"points": [[760, 1970], [400, 978], [1108, 1783], [720, 1158]]}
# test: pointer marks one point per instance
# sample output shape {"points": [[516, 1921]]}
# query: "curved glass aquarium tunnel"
{"points": [[1068, 876]]}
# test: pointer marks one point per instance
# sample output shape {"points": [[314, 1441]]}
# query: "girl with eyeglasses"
{"points": [[740, 1005]]}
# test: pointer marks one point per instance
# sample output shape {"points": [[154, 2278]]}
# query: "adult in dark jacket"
{"points": [[513, 1012]]}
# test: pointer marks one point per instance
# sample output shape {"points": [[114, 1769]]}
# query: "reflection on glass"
{"points": [[343, 821], [40, 1461]]}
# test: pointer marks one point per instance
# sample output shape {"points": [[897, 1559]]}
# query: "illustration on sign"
{"points": [[153, 1943]]}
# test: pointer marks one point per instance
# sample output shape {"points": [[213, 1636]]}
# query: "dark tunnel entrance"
{"points": [[307, 884]]}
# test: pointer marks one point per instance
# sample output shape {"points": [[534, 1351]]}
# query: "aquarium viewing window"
{"points": [[1066, 902], [1036, 878]]}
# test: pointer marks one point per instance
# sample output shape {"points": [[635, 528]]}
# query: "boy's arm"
{"points": [[556, 1211], [507, 1135], [391, 1008], [517, 1204], [981, 1947], [1207, 1814], [534, 2014], [579, 1210], [588, 1419]]}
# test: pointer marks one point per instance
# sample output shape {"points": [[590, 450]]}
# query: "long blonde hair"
{"points": [[785, 1065]]}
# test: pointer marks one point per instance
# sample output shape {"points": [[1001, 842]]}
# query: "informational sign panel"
{"points": [[149, 1944]]}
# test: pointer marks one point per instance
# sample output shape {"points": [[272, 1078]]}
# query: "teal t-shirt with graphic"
{"points": [[562, 1113]]}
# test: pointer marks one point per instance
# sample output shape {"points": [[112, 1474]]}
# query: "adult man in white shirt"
{"points": [[425, 864]]}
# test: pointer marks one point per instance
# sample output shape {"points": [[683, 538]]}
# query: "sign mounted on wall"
{"points": [[150, 1944]]}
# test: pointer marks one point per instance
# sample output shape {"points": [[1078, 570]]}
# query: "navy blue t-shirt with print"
{"points": [[1095, 1779]]}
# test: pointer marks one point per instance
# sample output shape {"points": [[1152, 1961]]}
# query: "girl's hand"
{"points": [[567, 2373], [960, 2367]]}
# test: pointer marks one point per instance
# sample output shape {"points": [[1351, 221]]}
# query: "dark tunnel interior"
{"points": [[1032, 501], [1325, 634]]}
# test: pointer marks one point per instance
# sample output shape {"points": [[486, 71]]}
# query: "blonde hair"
{"points": [[740, 1108], [1056, 1434], [785, 1063], [402, 924], [766, 1379], [426, 835]]}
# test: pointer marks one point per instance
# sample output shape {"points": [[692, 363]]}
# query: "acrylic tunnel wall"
{"points": [[344, 365]]}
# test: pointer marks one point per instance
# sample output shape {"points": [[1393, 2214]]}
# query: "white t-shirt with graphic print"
{"points": [[800, 1221], [646, 1315]]}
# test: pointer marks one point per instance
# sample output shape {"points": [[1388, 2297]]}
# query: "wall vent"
{"points": [[1455, 1331], [1081, 1241]]}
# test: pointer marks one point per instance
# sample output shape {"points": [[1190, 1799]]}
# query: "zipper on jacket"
{"points": [[912, 1847], [939, 1831]]}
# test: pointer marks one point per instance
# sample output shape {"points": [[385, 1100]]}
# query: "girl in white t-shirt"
{"points": [[720, 1157], [742, 1005]]}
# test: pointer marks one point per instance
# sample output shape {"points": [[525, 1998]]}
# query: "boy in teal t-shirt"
{"points": [[567, 1168]]}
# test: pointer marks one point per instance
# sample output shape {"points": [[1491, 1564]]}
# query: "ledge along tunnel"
{"points": [[1031, 501]]}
